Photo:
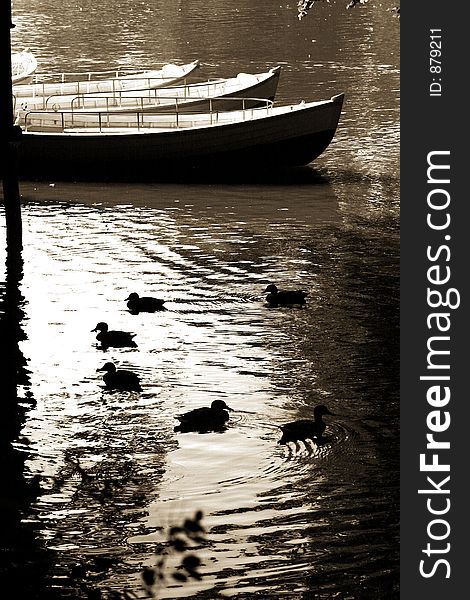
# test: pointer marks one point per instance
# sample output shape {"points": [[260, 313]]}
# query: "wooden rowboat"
{"points": [[23, 67], [186, 98], [104, 81], [149, 146]]}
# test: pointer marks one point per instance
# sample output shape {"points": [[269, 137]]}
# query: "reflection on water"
{"points": [[277, 517], [18, 542], [312, 522]]}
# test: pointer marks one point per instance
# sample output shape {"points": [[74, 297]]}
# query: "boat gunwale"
{"points": [[132, 73], [280, 111]]}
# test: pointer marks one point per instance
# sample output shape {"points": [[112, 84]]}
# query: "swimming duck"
{"points": [[305, 428], [116, 339], [277, 297], [205, 419], [137, 304], [120, 379]]}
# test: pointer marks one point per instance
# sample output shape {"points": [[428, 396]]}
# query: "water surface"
{"points": [[313, 522]]}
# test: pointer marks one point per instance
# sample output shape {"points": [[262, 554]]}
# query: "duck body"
{"points": [[113, 338], [305, 429], [278, 297], [205, 419], [136, 303], [120, 379]]}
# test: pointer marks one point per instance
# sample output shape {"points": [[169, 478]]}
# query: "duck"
{"points": [[136, 303], [205, 419], [120, 379], [116, 339], [306, 428], [278, 297]]}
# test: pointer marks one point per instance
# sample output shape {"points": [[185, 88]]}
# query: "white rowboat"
{"points": [[104, 81]]}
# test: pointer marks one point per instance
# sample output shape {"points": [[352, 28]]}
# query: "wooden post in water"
{"points": [[8, 134]]}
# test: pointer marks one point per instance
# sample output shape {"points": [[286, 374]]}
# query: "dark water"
{"points": [[319, 522]]}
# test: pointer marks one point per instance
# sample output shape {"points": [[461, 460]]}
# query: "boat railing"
{"points": [[150, 101], [115, 84], [68, 76], [79, 99], [139, 97], [102, 120]]}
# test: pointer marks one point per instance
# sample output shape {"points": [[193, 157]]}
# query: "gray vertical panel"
{"points": [[433, 124]]}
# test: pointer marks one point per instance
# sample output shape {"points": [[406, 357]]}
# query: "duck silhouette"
{"points": [[120, 379], [306, 429], [205, 419], [112, 338], [278, 297], [136, 303]]}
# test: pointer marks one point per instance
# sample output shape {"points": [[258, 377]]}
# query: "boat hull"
{"points": [[292, 138], [23, 67]]}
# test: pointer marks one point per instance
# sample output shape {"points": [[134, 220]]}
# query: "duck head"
{"points": [[133, 297], [109, 367], [271, 288], [321, 410], [103, 327], [220, 405]]}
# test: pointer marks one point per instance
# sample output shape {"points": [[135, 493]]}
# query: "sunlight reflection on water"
{"points": [[216, 339]]}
